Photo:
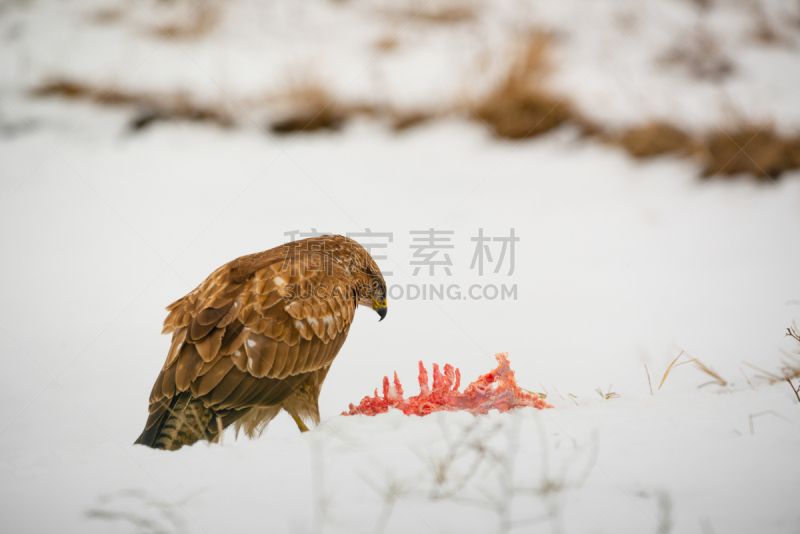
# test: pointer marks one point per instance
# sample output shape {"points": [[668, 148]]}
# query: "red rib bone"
{"points": [[496, 390]]}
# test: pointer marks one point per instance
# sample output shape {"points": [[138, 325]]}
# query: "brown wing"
{"points": [[252, 332]]}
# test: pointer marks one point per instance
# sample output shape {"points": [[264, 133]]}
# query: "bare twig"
{"points": [[648, 379], [791, 364], [796, 391], [792, 332]]}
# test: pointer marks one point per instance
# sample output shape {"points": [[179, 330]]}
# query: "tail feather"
{"points": [[184, 421]]}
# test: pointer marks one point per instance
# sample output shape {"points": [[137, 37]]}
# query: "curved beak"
{"points": [[380, 307]]}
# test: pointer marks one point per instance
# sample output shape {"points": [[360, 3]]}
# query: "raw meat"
{"points": [[496, 390]]}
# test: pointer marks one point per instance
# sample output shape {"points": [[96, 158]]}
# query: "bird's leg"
{"points": [[300, 424]]}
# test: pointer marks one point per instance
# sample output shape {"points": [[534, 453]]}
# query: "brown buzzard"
{"points": [[257, 336]]}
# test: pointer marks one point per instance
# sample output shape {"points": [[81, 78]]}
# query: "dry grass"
{"points": [[765, 375], [437, 12], [752, 416], [541, 395], [747, 379], [765, 32], [177, 19], [790, 369], [666, 373], [387, 43], [107, 15], [716, 379], [199, 22], [404, 120], [703, 5], [609, 395], [655, 139], [700, 54], [150, 108], [743, 149], [80, 91], [761, 152], [521, 105], [518, 106], [448, 14], [311, 108]]}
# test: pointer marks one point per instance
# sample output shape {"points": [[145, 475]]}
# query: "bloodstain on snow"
{"points": [[496, 390]]}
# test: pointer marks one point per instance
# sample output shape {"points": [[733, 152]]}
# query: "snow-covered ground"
{"points": [[620, 265]]}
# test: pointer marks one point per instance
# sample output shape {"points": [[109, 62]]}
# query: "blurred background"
{"points": [[645, 152]]}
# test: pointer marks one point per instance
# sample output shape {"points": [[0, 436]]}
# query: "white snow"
{"points": [[620, 264]]}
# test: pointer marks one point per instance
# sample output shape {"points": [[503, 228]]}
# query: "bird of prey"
{"points": [[257, 336]]}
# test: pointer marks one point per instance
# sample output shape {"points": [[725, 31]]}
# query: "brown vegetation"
{"points": [[107, 15], [609, 395], [655, 139], [404, 120], [437, 12], [765, 31], [311, 108], [790, 369], [520, 105], [387, 43], [701, 55], [150, 107], [177, 19], [761, 152], [716, 379], [200, 23]]}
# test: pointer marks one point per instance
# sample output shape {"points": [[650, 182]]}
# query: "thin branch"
{"points": [[796, 391]]}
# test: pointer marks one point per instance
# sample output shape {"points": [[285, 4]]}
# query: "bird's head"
{"points": [[370, 287], [376, 295]]}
